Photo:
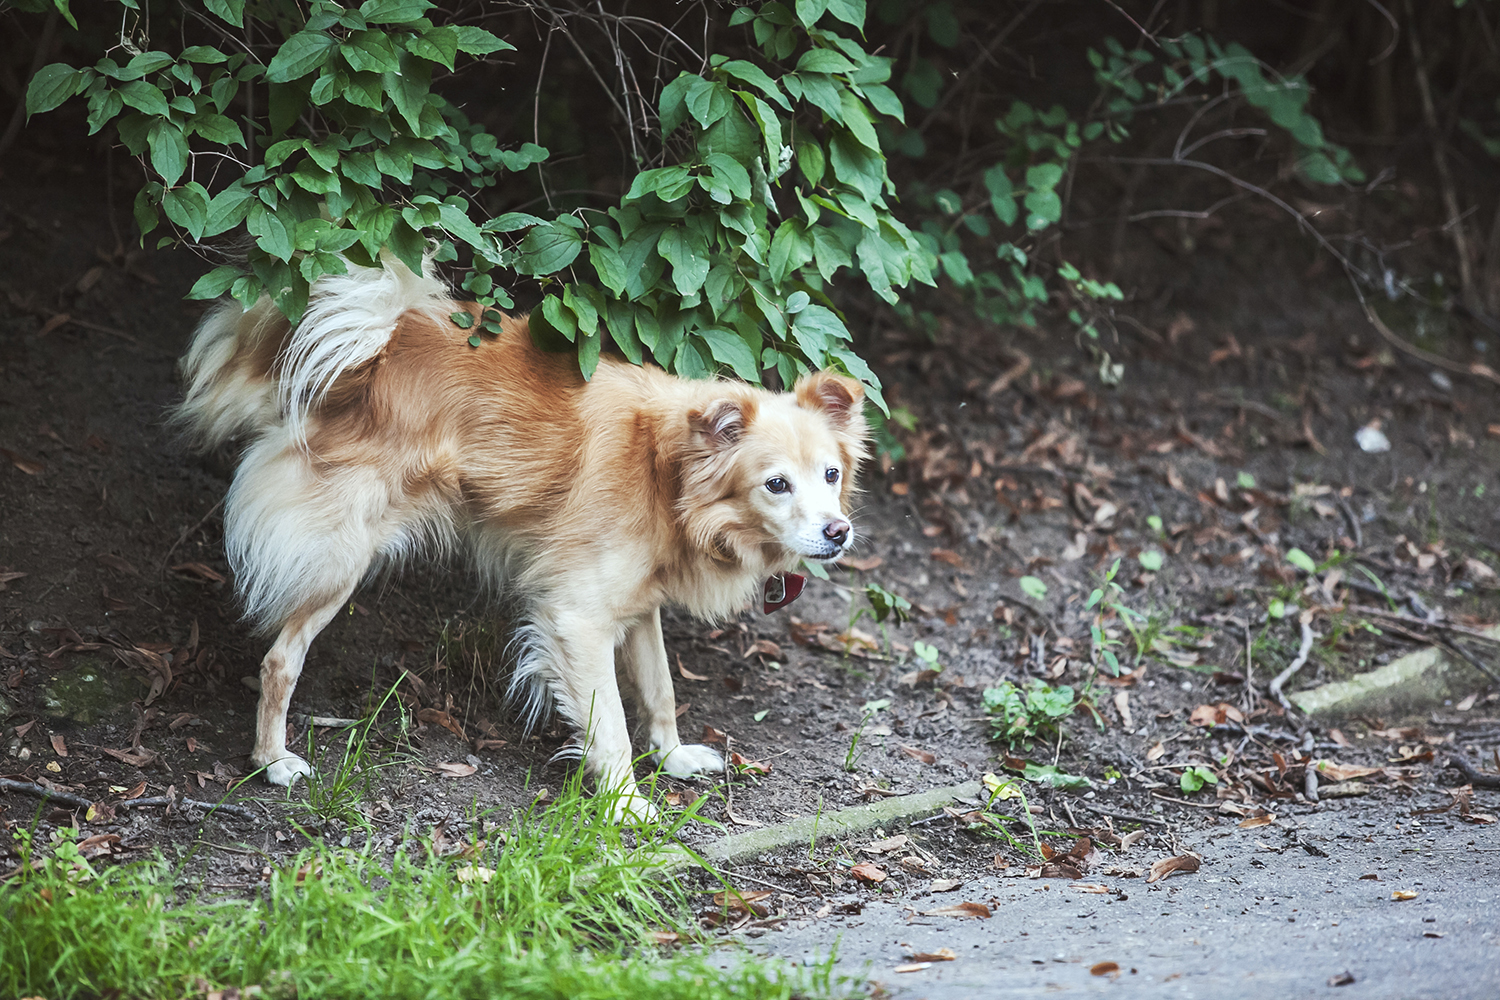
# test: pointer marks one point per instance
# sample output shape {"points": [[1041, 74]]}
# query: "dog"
{"points": [[372, 433]]}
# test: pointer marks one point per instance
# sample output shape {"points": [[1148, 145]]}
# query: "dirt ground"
{"points": [[1248, 369]]}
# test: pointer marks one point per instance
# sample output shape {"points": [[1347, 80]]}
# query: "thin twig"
{"points": [[1440, 160], [1293, 667], [46, 794], [1475, 777], [162, 570]]}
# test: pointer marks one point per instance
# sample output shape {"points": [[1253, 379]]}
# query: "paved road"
{"points": [[1263, 918]]}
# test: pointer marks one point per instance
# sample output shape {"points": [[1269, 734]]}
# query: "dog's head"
{"points": [[770, 476]]}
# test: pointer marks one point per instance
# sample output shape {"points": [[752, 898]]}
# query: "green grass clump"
{"points": [[558, 906]]}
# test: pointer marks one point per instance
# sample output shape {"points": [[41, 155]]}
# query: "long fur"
{"points": [[372, 433]]}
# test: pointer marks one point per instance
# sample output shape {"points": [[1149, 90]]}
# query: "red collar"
{"points": [[782, 589]]}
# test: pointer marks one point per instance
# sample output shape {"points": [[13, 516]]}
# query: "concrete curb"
{"points": [[1408, 685], [804, 829]]}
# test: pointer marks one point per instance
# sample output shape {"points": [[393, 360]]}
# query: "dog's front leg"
{"points": [[646, 661], [588, 693]]}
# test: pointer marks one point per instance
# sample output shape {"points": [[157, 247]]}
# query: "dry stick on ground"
{"points": [[1293, 667], [1475, 777], [79, 802]]}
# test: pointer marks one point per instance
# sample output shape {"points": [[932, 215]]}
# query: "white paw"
{"points": [[285, 770], [633, 807], [686, 759]]}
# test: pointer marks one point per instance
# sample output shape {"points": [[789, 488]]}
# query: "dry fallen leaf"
{"points": [[863, 565], [1104, 968], [941, 955], [712, 735], [1334, 771], [1093, 888], [1155, 753], [1185, 863], [1404, 894], [913, 967], [438, 717], [474, 873], [867, 871], [26, 465], [452, 769], [887, 845], [207, 574], [1215, 715], [59, 746], [1250, 822], [960, 910], [925, 756], [945, 884]]}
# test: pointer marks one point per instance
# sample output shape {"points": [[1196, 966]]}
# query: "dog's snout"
{"points": [[837, 531]]}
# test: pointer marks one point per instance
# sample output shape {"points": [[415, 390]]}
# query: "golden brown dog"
{"points": [[373, 433]]}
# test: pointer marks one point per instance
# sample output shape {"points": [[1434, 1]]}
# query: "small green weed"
{"points": [[1020, 716], [337, 788], [1194, 778]]}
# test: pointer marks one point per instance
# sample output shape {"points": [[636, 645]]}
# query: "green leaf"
{"points": [[1043, 176], [672, 106], [688, 259], [1301, 560], [848, 11], [457, 222], [729, 348], [217, 129], [51, 86], [610, 267], [407, 244], [560, 319], [1033, 588], [439, 45], [1052, 776], [214, 283], [478, 42], [708, 101], [548, 248], [270, 233], [232, 11], [808, 11], [203, 54], [227, 209], [394, 11], [169, 150], [732, 172], [188, 207], [824, 61], [300, 55], [588, 354], [1150, 560], [757, 78], [144, 97], [370, 52], [790, 249]]}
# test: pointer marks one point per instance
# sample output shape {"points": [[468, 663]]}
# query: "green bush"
{"points": [[316, 134]]}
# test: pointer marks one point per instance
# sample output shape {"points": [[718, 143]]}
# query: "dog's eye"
{"points": [[831, 476], [778, 485]]}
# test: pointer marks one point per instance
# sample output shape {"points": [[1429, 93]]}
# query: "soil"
{"points": [[1248, 369]]}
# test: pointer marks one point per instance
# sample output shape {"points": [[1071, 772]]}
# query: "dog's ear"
{"points": [[722, 423], [837, 395]]}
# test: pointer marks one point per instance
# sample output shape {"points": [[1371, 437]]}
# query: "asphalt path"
{"points": [[1275, 912]]}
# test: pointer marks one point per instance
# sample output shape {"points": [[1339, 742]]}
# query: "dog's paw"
{"points": [[632, 808], [285, 770], [686, 759]]}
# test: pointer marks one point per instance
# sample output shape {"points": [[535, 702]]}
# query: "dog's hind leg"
{"points": [[644, 657], [278, 678], [300, 536]]}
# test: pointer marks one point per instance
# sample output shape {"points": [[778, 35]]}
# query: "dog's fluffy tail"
{"points": [[245, 372]]}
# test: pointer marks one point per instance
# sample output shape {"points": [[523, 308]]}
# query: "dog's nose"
{"points": [[837, 531]]}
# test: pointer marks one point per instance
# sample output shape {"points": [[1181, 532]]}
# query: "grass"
{"points": [[561, 904]]}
